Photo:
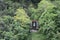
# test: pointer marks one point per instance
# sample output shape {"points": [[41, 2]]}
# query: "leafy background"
{"points": [[16, 16]]}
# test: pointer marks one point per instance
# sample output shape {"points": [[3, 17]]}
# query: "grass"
{"points": [[36, 36]]}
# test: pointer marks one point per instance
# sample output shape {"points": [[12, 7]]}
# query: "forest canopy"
{"points": [[16, 17]]}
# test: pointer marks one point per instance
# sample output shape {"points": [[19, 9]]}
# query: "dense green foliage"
{"points": [[16, 16]]}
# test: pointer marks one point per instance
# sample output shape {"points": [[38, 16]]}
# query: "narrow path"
{"points": [[35, 36]]}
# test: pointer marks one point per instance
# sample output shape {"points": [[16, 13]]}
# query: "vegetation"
{"points": [[16, 16]]}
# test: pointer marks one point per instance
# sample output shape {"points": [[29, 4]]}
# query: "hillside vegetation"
{"points": [[17, 15]]}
